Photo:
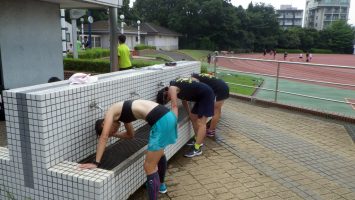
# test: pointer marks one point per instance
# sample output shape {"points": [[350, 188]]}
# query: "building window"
{"points": [[344, 1], [97, 41], [67, 37]]}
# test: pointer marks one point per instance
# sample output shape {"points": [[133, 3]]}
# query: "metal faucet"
{"points": [[161, 84], [134, 93], [95, 105]]}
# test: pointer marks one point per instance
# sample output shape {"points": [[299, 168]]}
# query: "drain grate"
{"points": [[122, 149], [118, 152]]}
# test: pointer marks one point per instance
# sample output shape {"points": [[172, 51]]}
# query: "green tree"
{"points": [[155, 11], [218, 25], [309, 38], [262, 22], [130, 16], [340, 37], [212, 22]]}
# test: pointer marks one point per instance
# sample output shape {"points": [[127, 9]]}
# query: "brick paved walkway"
{"points": [[266, 153]]}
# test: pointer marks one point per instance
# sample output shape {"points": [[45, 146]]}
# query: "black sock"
{"points": [[153, 184], [162, 165]]}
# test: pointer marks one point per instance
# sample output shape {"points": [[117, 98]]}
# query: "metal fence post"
{"points": [[215, 66], [277, 81]]}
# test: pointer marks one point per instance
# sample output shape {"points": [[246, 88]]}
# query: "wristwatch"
{"points": [[96, 163]]}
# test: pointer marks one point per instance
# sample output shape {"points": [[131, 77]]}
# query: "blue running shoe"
{"points": [[163, 189]]}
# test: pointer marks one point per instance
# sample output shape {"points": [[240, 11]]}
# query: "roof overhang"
{"points": [[65, 4]]}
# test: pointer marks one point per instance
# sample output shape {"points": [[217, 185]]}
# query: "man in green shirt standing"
{"points": [[123, 52]]}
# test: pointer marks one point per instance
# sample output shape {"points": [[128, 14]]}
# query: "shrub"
{"points": [[99, 66], [84, 65], [289, 50], [143, 46], [325, 51], [242, 51], [204, 67], [144, 63], [92, 53]]}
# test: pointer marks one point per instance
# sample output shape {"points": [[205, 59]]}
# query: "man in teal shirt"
{"points": [[123, 52]]}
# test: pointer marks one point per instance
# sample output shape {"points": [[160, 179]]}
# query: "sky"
{"points": [[300, 4]]}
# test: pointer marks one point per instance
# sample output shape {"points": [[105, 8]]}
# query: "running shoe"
{"points": [[163, 189], [192, 142], [210, 133], [193, 152]]}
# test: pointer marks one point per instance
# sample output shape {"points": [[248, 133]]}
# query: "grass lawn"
{"points": [[142, 62], [240, 79], [138, 61], [159, 56], [200, 55]]}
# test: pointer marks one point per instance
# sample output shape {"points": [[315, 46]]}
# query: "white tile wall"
{"points": [[50, 127]]}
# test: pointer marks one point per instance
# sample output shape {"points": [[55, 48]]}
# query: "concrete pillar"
{"points": [[74, 38], [113, 39]]}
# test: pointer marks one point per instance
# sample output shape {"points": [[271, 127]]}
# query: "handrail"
{"points": [[278, 76], [290, 77], [292, 93], [289, 62]]}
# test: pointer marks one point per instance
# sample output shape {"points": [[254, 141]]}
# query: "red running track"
{"points": [[328, 74]]}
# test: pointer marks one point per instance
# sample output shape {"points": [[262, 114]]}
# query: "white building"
{"points": [[321, 13], [150, 34], [289, 16]]}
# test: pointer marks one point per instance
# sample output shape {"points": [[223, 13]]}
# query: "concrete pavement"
{"points": [[266, 153]]}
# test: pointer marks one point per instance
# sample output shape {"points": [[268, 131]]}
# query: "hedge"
{"points": [[312, 50], [85, 65], [92, 53], [325, 51], [99, 66], [289, 50], [142, 46]]}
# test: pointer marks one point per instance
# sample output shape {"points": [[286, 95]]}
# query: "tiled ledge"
{"points": [[71, 171], [4, 154]]}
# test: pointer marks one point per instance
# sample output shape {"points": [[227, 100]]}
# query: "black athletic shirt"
{"points": [[215, 83], [158, 112], [189, 90], [127, 114]]}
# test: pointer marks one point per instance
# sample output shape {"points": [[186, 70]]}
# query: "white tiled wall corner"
{"points": [[53, 124]]}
